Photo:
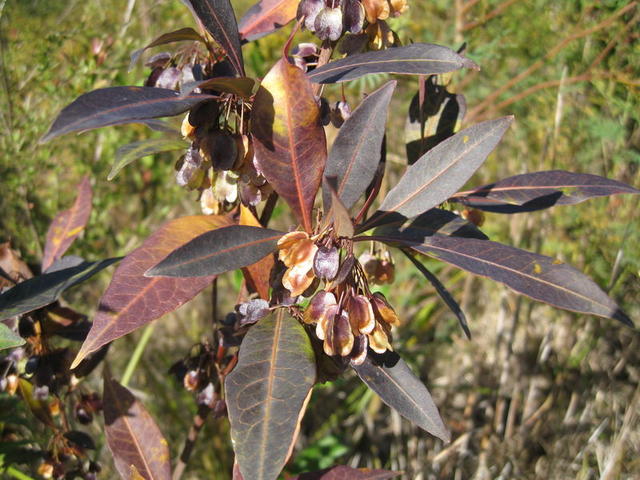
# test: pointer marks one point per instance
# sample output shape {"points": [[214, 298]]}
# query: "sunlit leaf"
{"points": [[437, 120], [392, 379], [8, 338], [258, 274], [338, 213], [240, 86], [342, 472], [183, 34], [44, 289], [355, 153], [290, 146], [136, 150], [133, 436], [265, 17], [67, 225], [441, 171], [218, 251], [133, 300], [219, 20], [539, 190], [539, 277], [118, 105], [267, 392], [416, 59]]}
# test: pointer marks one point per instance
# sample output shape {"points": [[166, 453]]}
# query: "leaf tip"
{"points": [[470, 64], [79, 357], [623, 318]]}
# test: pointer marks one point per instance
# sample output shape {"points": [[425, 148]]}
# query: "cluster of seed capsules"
{"points": [[330, 19]]}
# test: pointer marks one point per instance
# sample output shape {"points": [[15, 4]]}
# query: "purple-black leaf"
{"points": [[392, 379], [218, 18], [441, 171], [535, 191], [118, 105], [183, 34], [355, 153], [541, 278], [416, 59], [218, 251]]}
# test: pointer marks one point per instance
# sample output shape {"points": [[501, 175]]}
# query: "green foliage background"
{"points": [[538, 393]]}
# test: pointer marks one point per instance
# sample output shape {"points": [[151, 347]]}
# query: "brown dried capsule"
{"points": [[338, 336], [382, 310], [360, 314]]}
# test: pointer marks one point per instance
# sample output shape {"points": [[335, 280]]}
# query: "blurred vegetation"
{"points": [[537, 393]]}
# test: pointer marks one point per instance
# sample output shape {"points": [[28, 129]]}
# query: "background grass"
{"points": [[538, 392]]}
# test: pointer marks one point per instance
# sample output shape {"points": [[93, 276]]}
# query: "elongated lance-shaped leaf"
{"points": [[136, 442], [183, 34], [267, 393], [392, 379], [67, 225], [218, 18], [539, 190], [355, 153], [435, 220], [118, 105], [342, 472], [44, 289], [133, 300], [8, 338], [443, 293], [290, 146], [136, 150], [441, 171], [265, 17], [218, 251], [537, 276], [414, 59]]}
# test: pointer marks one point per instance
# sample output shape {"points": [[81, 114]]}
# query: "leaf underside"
{"points": [[266, 17], [133, 300], [8, 338], [290, 146], [133, 436], [67, 225], [267, 392], [414, 59]]}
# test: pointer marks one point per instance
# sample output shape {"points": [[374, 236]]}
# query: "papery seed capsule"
{"points": [[398, 7], [208, 202], [309, 9], [252, 311], [340, 113], [328, 24], [169, 78], [325, 322], [385, 272], [339, 339], [326, 262], [297, 279], [376, 10], [382, 310], [353, 16], [360, 314], [379, 339], [220, 149], [359, 351], [206, 396], [191, 380], [318, 306]]}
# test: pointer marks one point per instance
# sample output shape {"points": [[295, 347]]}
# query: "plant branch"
{"points": [[190, 442], [492, 14]]}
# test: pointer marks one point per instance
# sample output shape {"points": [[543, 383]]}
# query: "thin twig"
{"points": [[190, 442]]}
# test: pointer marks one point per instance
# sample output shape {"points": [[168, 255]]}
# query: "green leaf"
{"points": [[136, 150], [267, 393], [8, 338]]}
